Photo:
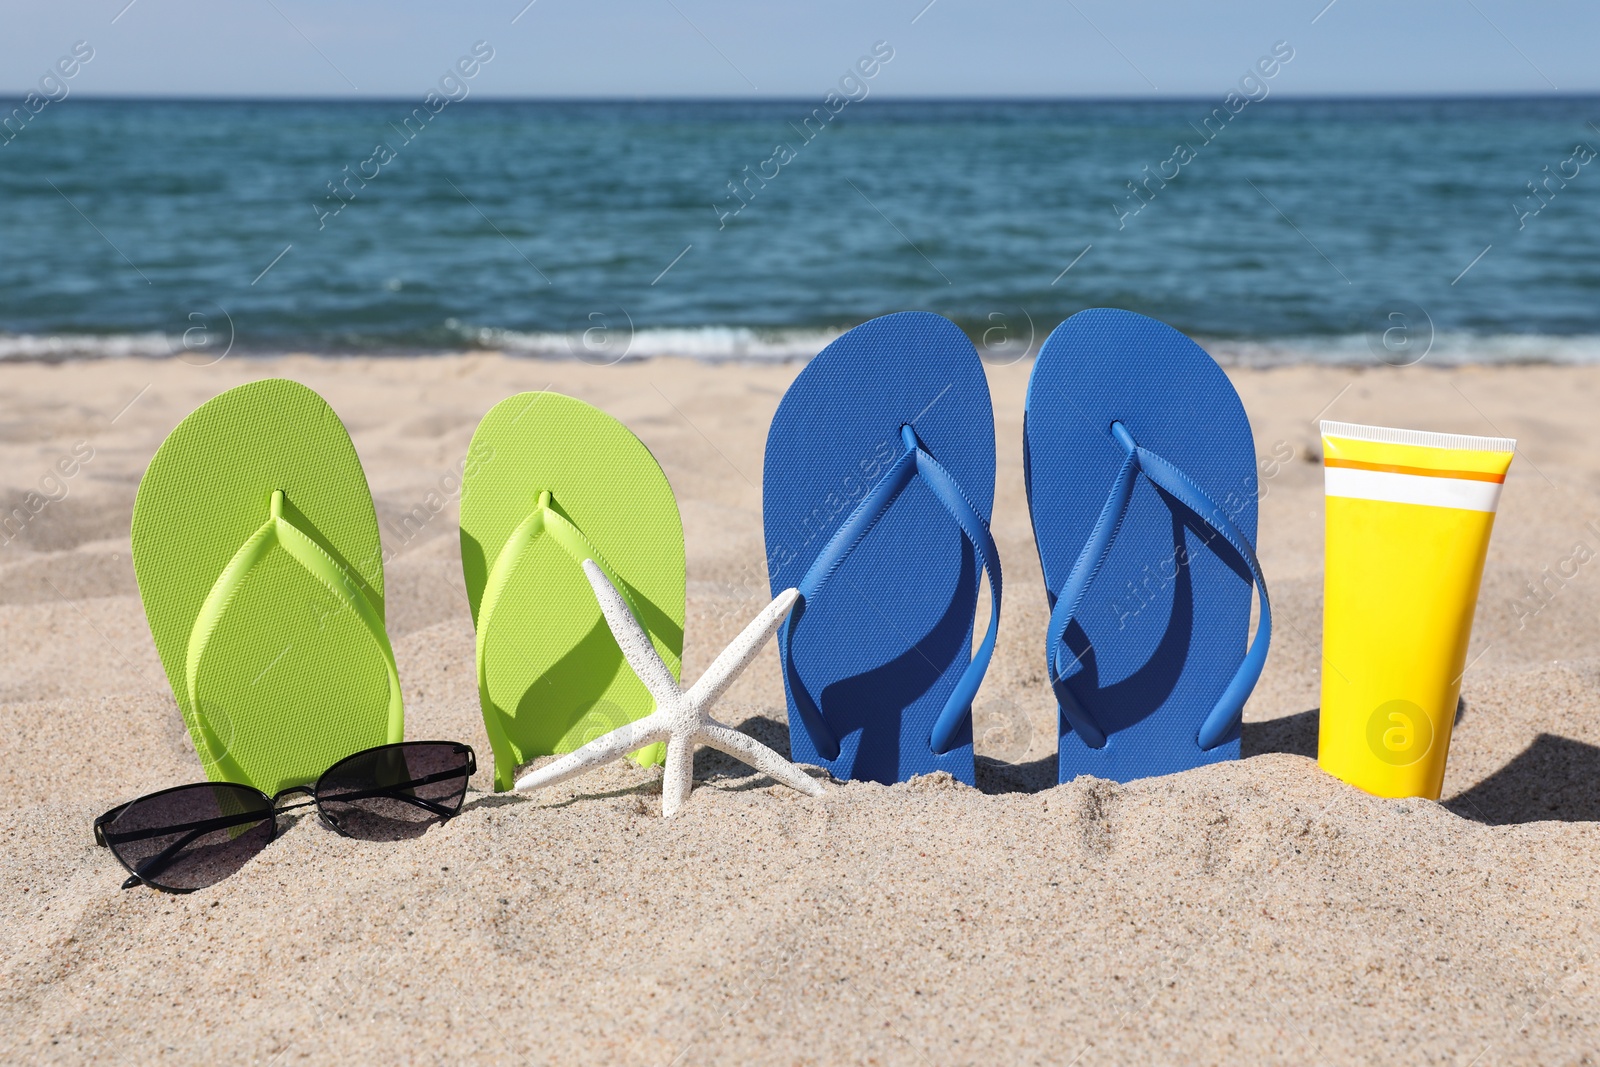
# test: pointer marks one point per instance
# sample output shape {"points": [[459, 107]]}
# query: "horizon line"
{"points": [[984, 98]]}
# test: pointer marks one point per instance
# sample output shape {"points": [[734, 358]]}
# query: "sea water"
{"points": [[1287, 230]]}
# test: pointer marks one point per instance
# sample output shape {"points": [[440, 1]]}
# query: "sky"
{"points": [[737, 48]]}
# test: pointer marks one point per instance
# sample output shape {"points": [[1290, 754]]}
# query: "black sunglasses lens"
{"points": [[192, 837], [397, 791]]}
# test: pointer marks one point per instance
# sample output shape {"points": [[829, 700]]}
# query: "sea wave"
{"points": [[46, 347], [607, 342], [1444, 349], [615, 338], [614, 342]]}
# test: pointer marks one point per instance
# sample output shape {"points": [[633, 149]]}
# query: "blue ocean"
{"points": [[1283, 230]]}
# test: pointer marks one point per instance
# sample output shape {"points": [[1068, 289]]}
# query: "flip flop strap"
{"points": [[1167, 477], [282, 531], [915, 461], [544, 519]]}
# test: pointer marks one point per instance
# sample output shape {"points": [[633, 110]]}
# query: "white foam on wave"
{"points": [[1446, 349], [27, 346], [611, 342], [614, 338]]}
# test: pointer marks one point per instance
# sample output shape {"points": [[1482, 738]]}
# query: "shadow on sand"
{"points": [[993, 776], [1295, 734], [1554, 779]]}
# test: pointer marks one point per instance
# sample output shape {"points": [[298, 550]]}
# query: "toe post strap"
{"points": [[914, 462], [1223, 719], [283, 529]]}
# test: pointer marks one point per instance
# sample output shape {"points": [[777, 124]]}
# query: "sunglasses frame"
{"points": [[273, 809]]}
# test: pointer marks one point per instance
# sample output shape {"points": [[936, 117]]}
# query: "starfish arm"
{"points": [[679, 776], [747, 749], [737, 656], [602, 750], [631, 637]]}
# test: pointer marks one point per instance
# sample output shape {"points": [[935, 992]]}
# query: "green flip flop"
{"points": [[550, 482], [256, 548]]}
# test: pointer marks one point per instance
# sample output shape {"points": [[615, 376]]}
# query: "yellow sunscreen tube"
{"points": [[1408, 521]]}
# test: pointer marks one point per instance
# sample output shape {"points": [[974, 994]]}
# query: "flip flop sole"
{"points": [[282, 679], [884, 644], [552, 676], [1164, 624]]}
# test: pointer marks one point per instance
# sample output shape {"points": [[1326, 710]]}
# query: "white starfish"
{"points": [[680, 719]]}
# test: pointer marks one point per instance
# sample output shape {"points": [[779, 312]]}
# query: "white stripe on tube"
{"points": [[1467, 494]]}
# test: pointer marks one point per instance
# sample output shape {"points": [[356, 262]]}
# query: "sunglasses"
{"points": [[193, 836]]}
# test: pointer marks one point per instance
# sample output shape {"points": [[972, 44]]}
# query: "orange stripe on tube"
{"points": [[1427, 472]]}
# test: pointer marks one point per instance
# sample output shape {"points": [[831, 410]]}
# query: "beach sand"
{"points": [[1251, 912]]}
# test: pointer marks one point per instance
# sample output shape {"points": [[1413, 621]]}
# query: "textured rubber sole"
{"points": [[1164, 625], [552, 677], [283, 678], [891, 633]]}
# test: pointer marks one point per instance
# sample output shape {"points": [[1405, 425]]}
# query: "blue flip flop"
{"points": [[1141, 478], [878, 485]]}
